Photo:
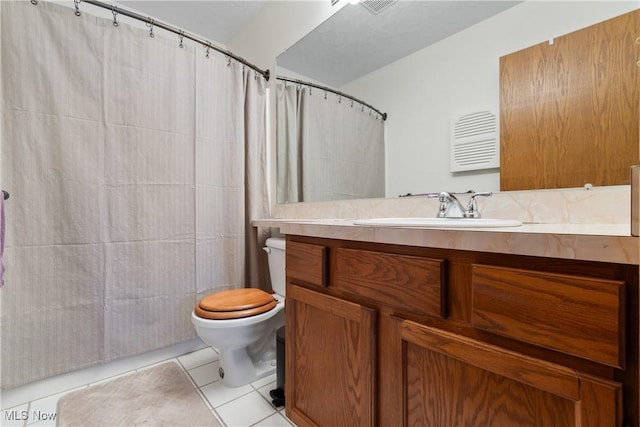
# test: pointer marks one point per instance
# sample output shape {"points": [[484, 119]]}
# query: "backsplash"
{"points": [[599, 205]]}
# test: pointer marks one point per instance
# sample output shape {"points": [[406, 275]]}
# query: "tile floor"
{"points": [[245, 406]]}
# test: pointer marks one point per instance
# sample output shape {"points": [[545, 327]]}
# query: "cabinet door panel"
{"points": [[460, 394], [331, 360], [457, 381]]}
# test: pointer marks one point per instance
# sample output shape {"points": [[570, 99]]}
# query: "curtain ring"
{"points": [[325, 94], [352, 103], [207, 55], [34, 2], [115, 14], [150, 25], [339, 99], [228, 61], [77, 4], [181, 37]]}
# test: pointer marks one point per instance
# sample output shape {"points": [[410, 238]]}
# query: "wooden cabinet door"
{"points": [[452, 380], [331, 360]]}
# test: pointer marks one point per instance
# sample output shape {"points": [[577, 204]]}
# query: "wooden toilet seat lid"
{"points": [[235, 304]]}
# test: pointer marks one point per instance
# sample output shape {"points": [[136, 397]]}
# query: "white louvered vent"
{"points": [[377, 6], [474, 142]]}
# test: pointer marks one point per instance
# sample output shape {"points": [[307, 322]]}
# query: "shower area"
{"points": [[135, 160], [330, 145]]}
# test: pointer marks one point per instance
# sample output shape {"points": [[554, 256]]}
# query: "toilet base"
{"points": [[237, 368]]}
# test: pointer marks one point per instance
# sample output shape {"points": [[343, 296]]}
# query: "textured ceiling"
{"points": [[354, 41], [351, 43], [217, 20]]}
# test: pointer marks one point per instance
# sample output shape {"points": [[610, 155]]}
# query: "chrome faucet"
{"points": [[451, 207]]}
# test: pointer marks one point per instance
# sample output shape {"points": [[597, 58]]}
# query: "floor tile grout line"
{"points": [[209, 405], [268, 416], [234, 399], [211, 382], [196, 387], [202, 396], [268, 401], [255, 390], [198, 366], [248, 393]]}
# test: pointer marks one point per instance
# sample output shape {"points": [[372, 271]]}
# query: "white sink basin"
{"points": [[439, 222]]}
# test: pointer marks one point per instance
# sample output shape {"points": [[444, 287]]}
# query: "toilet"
{"points": [[242, 323]]}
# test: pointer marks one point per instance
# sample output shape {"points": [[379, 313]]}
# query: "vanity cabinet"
{"points": [[395, 335]]}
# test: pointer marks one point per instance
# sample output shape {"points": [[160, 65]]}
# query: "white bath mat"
{"points": [[158, 396]]}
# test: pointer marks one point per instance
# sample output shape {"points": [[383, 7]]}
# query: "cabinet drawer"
{"points": [[307, 262], [576, 315], [409, 284]]}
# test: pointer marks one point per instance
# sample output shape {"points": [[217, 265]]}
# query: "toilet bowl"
{"points": [[242, 323]]}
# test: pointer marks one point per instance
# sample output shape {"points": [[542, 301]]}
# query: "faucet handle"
{"points": [[472, 207]]}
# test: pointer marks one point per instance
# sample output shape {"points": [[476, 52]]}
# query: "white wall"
{"points": [[425, 91]]}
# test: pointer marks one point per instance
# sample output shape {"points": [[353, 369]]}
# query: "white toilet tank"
{"points": [[275, 248]]}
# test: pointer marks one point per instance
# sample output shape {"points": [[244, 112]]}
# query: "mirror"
{"points": [[427, 64]]}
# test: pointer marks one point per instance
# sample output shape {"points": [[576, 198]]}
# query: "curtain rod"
{"points": [[337, 92], [153, 23]]}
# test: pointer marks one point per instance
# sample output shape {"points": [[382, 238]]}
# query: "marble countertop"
{"points": [[590, 242]]}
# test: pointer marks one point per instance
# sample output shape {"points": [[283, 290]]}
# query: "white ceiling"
{"points": [[355, 42], [215, 20], [351, 43]]}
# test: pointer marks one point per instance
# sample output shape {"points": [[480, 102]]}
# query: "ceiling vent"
{"points": [[377, 6], [474, 142]]}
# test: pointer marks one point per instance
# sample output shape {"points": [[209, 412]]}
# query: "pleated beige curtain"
{"points": [[256, 190], [288, 146], [328, 148], [134, 167]]}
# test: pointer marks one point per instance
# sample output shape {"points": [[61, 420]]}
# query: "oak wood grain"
{"points": [[450, 380], [307, 262], [407, 283], [549, 377], [601, 402], [331, 360], [573, 314], [569, 110]]}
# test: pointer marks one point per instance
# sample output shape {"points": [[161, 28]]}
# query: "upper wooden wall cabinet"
{"points": [[569, 108]]}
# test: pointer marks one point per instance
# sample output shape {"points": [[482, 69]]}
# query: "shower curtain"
{"points": [[134, 166], [328, 148]]}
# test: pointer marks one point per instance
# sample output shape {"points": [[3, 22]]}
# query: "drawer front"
{"points": [[307, 262], [409, 284], [576, 315]]}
